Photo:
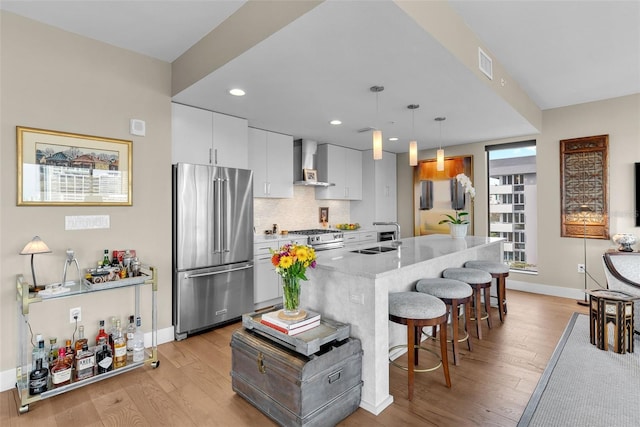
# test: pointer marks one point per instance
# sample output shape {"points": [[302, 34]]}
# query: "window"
{"points": [[513, 201]]}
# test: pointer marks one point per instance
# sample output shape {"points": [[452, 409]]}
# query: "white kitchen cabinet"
{"points": [[379, 190], [205, 137], [342, 167], [354, 238], [271, 159], [267, 285]]}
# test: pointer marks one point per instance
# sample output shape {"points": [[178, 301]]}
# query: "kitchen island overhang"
{"points": [[353, 288]]}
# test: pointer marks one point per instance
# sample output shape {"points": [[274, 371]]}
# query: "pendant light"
{"points": [[377, 133], [413, 144], [440, 152]]}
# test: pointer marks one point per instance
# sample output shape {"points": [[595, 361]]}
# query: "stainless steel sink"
{"points": [[374, 250]]}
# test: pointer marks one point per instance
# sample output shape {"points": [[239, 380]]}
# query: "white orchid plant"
{"points": [[460, 217]]}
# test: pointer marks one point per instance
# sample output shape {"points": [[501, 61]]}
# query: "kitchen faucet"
{"points": [[71, 258], [397, 236]]}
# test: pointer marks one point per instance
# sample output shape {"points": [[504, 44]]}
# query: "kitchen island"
{"points": [[353, 288]]}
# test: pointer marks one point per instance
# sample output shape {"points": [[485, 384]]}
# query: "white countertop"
{"points": [[413, 250]]}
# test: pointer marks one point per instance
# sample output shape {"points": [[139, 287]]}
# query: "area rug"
{"points": [[585, 386]]}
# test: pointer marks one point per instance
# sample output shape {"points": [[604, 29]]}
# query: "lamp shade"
{"points": [[413, 153], [35, 246], [377, 145], [440, 160]]}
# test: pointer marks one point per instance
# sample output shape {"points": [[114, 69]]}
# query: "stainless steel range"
{"points": [[322, 240]]}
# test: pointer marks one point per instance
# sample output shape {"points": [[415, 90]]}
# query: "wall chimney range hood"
{"points": [[304, 157]]}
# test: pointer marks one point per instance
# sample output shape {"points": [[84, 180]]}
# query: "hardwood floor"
{"points": [[192, 385]]}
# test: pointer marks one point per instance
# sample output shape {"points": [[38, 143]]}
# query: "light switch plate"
{"points": [[86, 222]]}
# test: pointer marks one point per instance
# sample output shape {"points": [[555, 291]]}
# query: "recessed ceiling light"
{"points": [[335, 122], [237, 92], [393, 138]]}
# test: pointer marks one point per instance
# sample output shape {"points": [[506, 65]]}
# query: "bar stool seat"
{"points": [[453, 293], [500, 272], [417, 310], [480, 281]]}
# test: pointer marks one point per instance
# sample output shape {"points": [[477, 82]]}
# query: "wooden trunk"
{"points": [[293, 389]]}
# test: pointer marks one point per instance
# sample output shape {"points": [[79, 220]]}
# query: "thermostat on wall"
{"points": [[137, 127]]}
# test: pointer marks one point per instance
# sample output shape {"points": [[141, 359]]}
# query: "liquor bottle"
{"points": [[53, 351], [69, 352], [61, 372], [131, 331], [104, 361], [38, 352], [115, 262], [106, 262], [119, 348], [138, 342], [111, 332], [81, 339], [102, 333], [38, 379], [85, 363]]}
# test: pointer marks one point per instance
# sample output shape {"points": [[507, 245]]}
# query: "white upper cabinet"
{"points": [[379, 190], [204, 137], [230, 141], [271, 158], [342, 167]]}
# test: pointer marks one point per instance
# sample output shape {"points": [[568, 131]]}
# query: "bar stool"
{"points": [[500, 272], [453, 293], [417, 310], [479, 281]]}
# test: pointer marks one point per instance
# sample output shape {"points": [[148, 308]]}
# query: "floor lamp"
{"points": [[584, 209]]}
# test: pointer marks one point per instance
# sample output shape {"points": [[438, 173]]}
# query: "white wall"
{"points": [[56, 80]]}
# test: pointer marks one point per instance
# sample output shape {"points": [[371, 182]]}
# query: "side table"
{"points": [[609, 306]]}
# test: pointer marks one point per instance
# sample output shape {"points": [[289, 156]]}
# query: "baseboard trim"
{"points": [[8, 377], [536, 288]]}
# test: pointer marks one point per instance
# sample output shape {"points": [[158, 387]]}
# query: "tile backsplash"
{"points": [[301, 212]]}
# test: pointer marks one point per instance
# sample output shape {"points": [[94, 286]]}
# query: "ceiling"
{"points": [[321, 66]]}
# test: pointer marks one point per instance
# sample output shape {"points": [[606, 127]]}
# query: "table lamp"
{"points": [[35, 246]]}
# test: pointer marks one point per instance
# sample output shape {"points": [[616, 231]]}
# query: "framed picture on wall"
{"points": [[438, 193], [67, 169], [310, 175]]}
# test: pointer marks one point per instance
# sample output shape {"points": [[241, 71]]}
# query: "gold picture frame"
{"points": [[310, 175], [67, 169]]}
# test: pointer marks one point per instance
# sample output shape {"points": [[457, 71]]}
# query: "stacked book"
{"points": [[291, 327]]}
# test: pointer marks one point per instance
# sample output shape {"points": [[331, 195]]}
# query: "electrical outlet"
{"points": [[73, 313], [580, 268]]}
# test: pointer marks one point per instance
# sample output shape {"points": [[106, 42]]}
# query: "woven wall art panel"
{"points": [[583, 187]]}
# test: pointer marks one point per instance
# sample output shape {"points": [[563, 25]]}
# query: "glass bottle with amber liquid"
{"points": [[85, 363], [81, 340], [119, 347], [61, 371]]}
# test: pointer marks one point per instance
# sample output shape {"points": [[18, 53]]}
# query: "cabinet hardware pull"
{"points": [[261, 368], [335, 376]]}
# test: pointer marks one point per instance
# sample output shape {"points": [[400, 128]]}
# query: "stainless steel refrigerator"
{"points": [[212, 246]]}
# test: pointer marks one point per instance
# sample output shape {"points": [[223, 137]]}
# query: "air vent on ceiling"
{"points": [[485, 64]]}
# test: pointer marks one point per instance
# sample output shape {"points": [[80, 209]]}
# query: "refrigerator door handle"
{"points": [[217, 203], [224, 185], [213, 273]]}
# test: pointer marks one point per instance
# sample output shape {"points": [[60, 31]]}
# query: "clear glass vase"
{"points": [[291, 296]]}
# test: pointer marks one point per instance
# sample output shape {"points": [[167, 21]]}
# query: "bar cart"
{"points": [[25, 299]]}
